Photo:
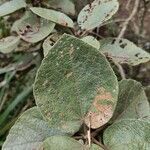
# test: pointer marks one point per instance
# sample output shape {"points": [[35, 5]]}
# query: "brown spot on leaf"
{"points": [[102, 112], [113, 41], [123, 45]]}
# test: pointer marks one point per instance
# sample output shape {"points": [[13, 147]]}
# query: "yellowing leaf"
{"points": [[54, 16], [94, 14]]}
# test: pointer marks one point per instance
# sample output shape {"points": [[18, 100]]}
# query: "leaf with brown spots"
{"points": [[31, 28], [123, 51], [74, 80], [101, 110], [94, 14]]}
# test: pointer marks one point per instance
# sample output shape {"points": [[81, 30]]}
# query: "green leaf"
{"points": [[124, 51], [66, 143], [94, 14], [32, 29], [131, 131], [9, 44], [29, 132], [53, 15], [91, 41], [95, 147], [128, 134], [66, 6], [75, 84], [11, 6], [49, 42], [132, 101]]}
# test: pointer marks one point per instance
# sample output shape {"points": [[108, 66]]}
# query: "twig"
{"points": [[121, 71], [122, 32], [79, 137], [89, 132], [143, 16], [99, 36], [128, 4], [99, 144], [112, 21], [93, 134]]}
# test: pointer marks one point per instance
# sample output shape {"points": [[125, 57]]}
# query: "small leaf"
{"points": [[29, 132], [32, 29], [75, 84], [94, 14], [132, 101], [49, 42], [66, 6], [54, 16], [128, 134], [11, 6], [66, 143], [124, 51], [9, 44], [91, 41]]}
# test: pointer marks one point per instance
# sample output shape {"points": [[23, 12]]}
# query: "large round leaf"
{"points": [[94, 14], [66, 143], [29, 132], [128, 134], [32, 29], [132, 101], [124, 51], [9, 44], [53, 15], [11, 6], [75, 84]]}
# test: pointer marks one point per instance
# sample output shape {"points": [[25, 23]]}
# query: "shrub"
{"points": [[80, 102]]}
